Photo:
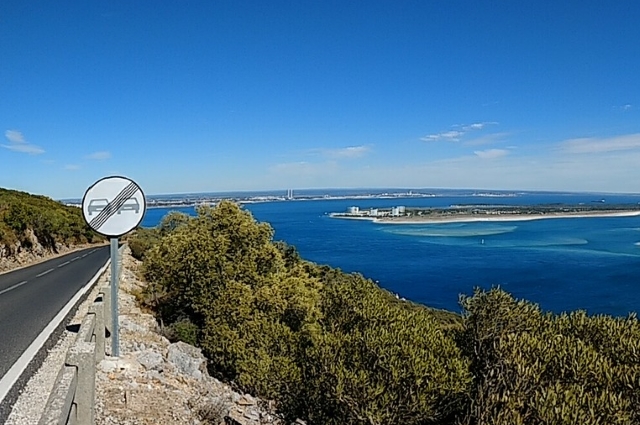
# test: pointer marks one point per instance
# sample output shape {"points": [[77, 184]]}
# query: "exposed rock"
{"points": [[151, 360], [126, 324], [187, 359], [246, 400]]}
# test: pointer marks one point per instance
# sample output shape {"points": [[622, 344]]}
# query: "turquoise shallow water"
{"points": [[562, 264]]}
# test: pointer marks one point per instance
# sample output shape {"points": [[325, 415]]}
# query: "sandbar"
{"points": [[466, 218]]}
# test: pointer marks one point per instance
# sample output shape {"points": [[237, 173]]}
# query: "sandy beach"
{"points": [[488, 217]]}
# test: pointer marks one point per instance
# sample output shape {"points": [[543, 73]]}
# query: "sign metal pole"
{"points": [[115, 331]]}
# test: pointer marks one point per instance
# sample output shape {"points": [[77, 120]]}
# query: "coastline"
{"points": [[487, 218]]}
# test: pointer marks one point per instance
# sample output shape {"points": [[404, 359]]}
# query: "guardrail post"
{"points": [[97, 308], [106, 300], [82, 356], [60, 402], [87, 328]]}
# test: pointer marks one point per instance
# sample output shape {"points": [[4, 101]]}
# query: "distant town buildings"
{"points": [[376, 212]]}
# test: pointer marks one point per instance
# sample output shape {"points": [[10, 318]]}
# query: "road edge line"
{"points": [[15, 372]]}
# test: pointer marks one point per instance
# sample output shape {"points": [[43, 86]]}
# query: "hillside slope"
{"points": [[33, 226]]}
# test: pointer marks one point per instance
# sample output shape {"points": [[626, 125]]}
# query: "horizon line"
{"points": [[406, 189]]}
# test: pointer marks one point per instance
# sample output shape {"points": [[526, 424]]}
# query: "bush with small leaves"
{"points": [[535, 368]]}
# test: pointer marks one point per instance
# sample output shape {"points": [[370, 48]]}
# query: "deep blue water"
{"points": [[561, 264]]}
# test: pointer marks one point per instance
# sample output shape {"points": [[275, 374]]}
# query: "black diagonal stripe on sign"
{"points": [[113, 206]]}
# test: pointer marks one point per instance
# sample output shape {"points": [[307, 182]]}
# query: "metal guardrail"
{"points": [[72, 400]]}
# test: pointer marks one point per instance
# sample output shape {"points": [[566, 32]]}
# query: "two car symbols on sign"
{"points": [[97, 205]]}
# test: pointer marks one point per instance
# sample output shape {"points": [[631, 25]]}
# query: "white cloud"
{"points": [[449, 136], [99, 156], [626, 107], [348, 152], [455, 135], [478, 125], [491, 153], [30, 149], [71, 167], [14, 136], [17, 143], [601, 145]]}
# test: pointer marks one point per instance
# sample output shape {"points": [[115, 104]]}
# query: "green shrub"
{"points": [[184, 331], [222, 271], [141, 241], [535, 368], [380, 361]]}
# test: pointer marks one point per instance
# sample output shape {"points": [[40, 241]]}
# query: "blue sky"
{"points": [[188, 96]]}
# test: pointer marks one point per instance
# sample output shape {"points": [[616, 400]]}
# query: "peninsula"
{"points": [[474, 213]]}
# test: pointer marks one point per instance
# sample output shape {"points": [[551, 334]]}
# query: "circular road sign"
{"points": [[114, 206]]}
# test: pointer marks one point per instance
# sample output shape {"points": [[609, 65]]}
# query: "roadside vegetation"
{"points": [[23, 215], [334, 348]]}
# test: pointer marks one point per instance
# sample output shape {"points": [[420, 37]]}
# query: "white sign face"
{"points": [[114, 206]]}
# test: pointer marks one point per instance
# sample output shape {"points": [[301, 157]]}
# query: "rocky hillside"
{"points": [[158, 382], [33, 227]]}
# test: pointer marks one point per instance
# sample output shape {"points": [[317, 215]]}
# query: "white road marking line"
{"points": [[84, 255], [64, 264], [13, 287], [74, 259], [45, 272], [9, 379]]}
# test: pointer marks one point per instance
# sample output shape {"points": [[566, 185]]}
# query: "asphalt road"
{"points": [[31, 297]]}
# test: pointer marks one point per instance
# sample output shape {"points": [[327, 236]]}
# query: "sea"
{"points": [[561, 264]]}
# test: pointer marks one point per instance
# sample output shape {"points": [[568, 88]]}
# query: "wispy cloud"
{"points": [[449, 136], [601, 145], [14, 136], [491, 153], [71, 167], [456, 133], [626, 107], [17, 143], [478, 125], [99, 156], [348, 152]]}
